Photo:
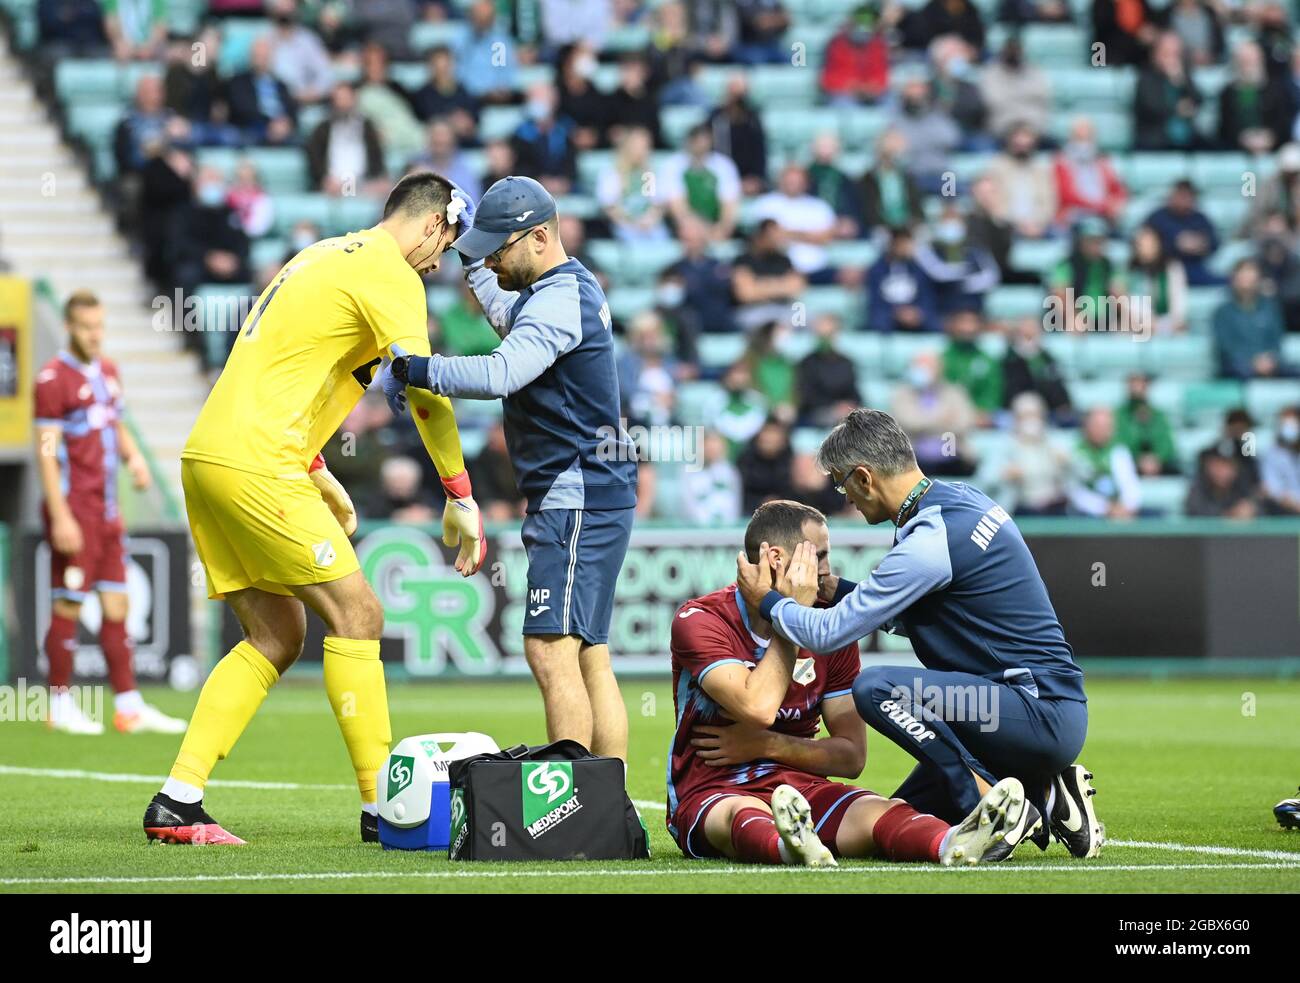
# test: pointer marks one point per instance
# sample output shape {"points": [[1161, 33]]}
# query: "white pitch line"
{"points": [[648, 804], [629, 871]]}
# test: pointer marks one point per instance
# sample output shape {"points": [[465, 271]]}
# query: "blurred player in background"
{"points": [[556, 377], [80, 439], [270, 523], [749, 776]]}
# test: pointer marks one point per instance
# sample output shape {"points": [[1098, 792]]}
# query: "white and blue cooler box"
{"points": [[414, 798]]}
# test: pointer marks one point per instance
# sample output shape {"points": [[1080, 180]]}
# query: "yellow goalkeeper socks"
{"points": [[354, 680], [235, 689]]}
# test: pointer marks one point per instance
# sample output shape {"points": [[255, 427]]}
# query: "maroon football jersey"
{"points": [[711, 631], [85, 402]]}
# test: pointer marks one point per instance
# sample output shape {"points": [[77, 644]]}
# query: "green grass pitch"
{"points": [[1187, 773]]}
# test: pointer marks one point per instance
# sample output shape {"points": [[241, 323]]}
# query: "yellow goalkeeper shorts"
{"points": [[252, 530]]}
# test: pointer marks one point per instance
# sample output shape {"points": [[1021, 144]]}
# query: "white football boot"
{"points": [[989, 834], [794, 822]]}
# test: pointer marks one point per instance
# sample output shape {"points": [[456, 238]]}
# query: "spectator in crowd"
{"points": [[1104, 480], [1145, 430], [675, 59], [1153, 274], [1033, 11], [261, 105], [165, 181], [494, 479], [387, 23], [498, 162], [1289, 78], [1086, 180], [1277, 194], [771, 371], [627, 191], [1025, 183], [207, 243], [705, 281], [833, 186], [298, 56], [544, 142], [1167, 101], [1239, 435], [442, 155], [567, 22], [1087, 285], [989, 229], [741, 411], [1028, 367], [967, 365], [699, 182], [762, 25], [890, 196], [1274, 32], [253, 207], [936, 414], [1280, 467], [1279, 265], [855, 65], [807, 223], [574, 236], [71, 28], [632, 104], [900, 294], [1125, 30], [148, 128], [357, 450], [1248, 328], [812, 486], [1255, 112], [962, 272], [765, 282], [682, 323], [941, 17], [711, 492], [929, 134], [647, 373], [1198, 25], [738, 134], [1015, 91], [714, 28], [462, 328], [1028, 475], [443, 96], [955, 92], [344, 155], [303, 234], [193, 89], [486, 59], [765, 465], [387, 104], [826, 380], [136, 29], [1216, 491], [1187, 233], [404, 497], [580, 101]]}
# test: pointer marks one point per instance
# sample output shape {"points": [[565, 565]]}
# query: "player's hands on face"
{"points": [[799, 580], [462, 524], [140, 476], [65, 535], [732, 744], [753, 580]]}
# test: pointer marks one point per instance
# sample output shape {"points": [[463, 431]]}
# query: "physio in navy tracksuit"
{"points": [[555, 374], [998, 693]]}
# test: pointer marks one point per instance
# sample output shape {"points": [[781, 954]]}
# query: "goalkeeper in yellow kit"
{"points": [[271, 525]]}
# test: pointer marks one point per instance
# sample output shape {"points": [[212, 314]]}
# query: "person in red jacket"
{"points": [[1086, 181], [856, 64]]}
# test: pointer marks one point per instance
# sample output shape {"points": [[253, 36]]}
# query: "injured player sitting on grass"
{"points": [[749, 777]]}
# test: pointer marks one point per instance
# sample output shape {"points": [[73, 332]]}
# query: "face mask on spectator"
{"points": [[211, 194], [920, 376], [670, 294], [301, 240], [585, 66], [538, 109], [1289, 430], [958, 67]]}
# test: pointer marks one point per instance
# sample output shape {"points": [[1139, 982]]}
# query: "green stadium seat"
{"points": [[441, 296], [283, 170], [813, 38], [1165, 494], [310, 117], [1220, 171], [591, 163], [1291, 349], [626, 303], [720, 350], [267, 250], [1205, 403], [1055, 44], [861, 126], [351, 214], [531, 74], [499, 122], [1201, 304], [1190, 441], [306, 207], [94, 123], [897, 350], [129, 77], [846, 304], [578, 205], [86, 81], [1226, 212], [185, 16], [607, 254], [865, 348], [1088, 393], [629, 37], [698, 402], [1037, 255], [794, 128], [781, 85], [411, 75], [430, 34], [1178, 357], [852, 253], [1265, 398], [237, 36], [643, 262], [1013, 301], [806, 440], [676, 121], [1152, 173]]}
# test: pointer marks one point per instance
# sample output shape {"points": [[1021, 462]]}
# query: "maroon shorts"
{"points": [[99, 566], [828, 800]]}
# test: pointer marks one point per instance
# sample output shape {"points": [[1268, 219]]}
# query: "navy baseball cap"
{"points": [[511, 205]]}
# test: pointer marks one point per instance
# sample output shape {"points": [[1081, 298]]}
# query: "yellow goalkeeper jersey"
{"points": [[307, 352]]}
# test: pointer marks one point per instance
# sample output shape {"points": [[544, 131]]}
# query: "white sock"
{"points": [[129, 702], [947, 837], [174, 788], [370, 808], [1051, 799], [786, 856]]}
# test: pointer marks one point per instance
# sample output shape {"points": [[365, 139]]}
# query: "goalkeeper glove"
{"points": [[462, 525], [406, 370], [334, 494]]}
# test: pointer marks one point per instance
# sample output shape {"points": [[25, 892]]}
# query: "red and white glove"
{"points": [[335, 495], [462, 525]]}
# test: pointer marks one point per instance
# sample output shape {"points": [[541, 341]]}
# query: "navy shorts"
{"points": [[574, 558]]}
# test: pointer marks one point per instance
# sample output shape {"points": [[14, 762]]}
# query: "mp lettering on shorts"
{"points": [[990, 522], [909, 724], [539, 599], [102, 937]]}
